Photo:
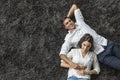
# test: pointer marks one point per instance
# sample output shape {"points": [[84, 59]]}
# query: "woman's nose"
{"points": [[85, 48]]}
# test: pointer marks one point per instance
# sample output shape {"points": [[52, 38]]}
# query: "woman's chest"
{"points": [[79, 59]]}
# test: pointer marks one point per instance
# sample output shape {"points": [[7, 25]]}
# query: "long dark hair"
{"points": [[89, 38]]}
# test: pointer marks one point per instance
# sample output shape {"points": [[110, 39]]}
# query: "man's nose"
{"points": [[69, 23]]}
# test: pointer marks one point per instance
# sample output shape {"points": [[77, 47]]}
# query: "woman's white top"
{"points": [[89, 60]]}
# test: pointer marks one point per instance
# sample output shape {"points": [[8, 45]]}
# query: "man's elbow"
{"points": [[62, 56], [61, 64], [75, 6]]}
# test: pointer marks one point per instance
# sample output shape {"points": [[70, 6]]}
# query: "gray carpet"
{"points": [[31, 36]]}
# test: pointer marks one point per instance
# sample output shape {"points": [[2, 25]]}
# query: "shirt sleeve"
{"points": [[65, 47], [96, 66], [78, 16], [70, 54]]}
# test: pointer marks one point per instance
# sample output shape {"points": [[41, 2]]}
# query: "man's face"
{"points": [[69, 24]]}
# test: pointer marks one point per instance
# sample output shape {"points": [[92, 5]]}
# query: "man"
{"points": [[108, 53]]}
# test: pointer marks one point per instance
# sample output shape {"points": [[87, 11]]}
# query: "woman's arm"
{"points": [[96, 66], [86, 72], [63, 54], [90, 72], [72, 9]]}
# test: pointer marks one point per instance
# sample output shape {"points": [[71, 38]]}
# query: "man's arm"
{"points": [[63, 55], [72, 9], [64, 64], [65, 48], [77, 13], [68, 61]]}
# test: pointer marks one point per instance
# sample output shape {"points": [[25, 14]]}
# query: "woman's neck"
{"points": [[83, 52]]}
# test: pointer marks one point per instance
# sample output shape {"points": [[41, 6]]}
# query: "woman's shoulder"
{"points": [[75, 49], [92, 53]]}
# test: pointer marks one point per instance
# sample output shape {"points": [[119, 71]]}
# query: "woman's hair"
{"points": [[89, 38]]}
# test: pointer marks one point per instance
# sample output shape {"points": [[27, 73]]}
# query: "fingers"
{"points": [[80, 72]]}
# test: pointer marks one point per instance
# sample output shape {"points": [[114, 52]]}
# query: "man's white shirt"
{"points": [[81, 28]]}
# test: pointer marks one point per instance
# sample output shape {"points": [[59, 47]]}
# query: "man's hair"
{"points": [[63, 19], [89, 38]]}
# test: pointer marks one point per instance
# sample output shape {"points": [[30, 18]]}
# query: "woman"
{"points": [[83, 55]]}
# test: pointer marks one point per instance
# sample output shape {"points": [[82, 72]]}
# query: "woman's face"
{"points": [[69, 24], [85, 46]]}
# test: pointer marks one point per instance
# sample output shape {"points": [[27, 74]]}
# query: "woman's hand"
{"points": [[81, 72], [78, 66], [82, 67]]}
